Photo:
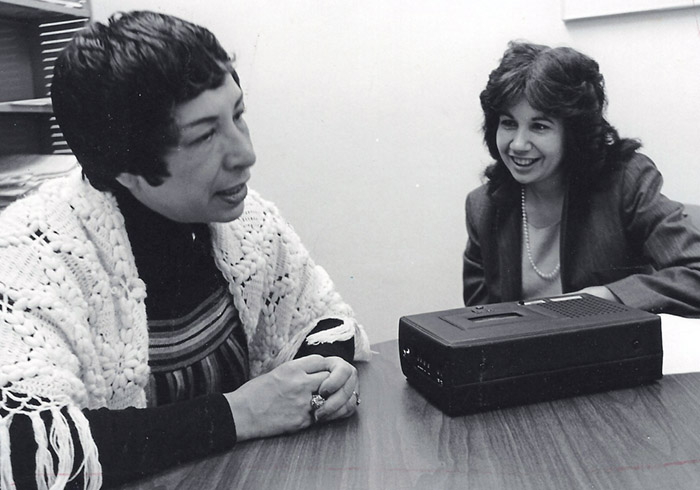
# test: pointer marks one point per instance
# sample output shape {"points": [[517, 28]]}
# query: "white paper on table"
{"points": [[681, 344]]}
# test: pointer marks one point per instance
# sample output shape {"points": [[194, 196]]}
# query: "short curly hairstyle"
{"points": [[115, 87], [560, 82]]}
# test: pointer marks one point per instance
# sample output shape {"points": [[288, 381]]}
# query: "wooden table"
{"points": [[643, 438]]}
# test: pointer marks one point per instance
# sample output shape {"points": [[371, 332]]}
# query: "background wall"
{"points": [[365, 118]]}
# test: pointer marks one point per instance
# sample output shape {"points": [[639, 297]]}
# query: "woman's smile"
{"points": [[523, 162]]}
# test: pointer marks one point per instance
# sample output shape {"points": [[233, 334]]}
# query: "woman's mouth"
{"points": [[233, 195], [523, 162]]}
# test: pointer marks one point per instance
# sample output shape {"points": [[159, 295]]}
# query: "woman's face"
{"points": [[210, 165], [531, 145]]}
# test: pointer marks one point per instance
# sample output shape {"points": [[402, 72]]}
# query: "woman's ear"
{"points": [[130, 181]]}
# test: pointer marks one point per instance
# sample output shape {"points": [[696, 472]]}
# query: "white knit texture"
{"points": [[73, 327]]}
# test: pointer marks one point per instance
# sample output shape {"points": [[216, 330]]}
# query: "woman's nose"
{"points": [[521, 141], [239, 149]]}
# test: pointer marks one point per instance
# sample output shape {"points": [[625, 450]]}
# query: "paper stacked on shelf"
{"points": [[20, 174]]}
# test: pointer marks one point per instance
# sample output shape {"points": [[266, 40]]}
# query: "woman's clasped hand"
{"points": [[280, 401]]}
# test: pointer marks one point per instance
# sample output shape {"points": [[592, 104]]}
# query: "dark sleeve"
{"points": [[342, 348], [669, 240], [474, 289], [134, 443]]}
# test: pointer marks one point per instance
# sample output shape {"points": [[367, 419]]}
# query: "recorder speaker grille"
{"points": [[583, 307]]}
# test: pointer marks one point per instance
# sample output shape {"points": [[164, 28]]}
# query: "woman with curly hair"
{"points": [[569, 205]]}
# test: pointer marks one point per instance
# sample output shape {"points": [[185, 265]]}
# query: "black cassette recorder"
{"points": [[479, 358]]}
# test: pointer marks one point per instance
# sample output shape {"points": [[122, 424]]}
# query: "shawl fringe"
{"points": [[55, 455]]}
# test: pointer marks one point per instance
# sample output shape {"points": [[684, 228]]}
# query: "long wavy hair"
{"points": [[563, 83]]}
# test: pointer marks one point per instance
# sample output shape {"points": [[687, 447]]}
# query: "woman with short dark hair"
{"points": [[154, 310]]}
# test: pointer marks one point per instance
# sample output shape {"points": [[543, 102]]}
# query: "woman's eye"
{"points": [[205, 137], [540, 127], [238, 116], [508, 124]]}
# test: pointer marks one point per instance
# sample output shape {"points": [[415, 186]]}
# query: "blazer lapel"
{"points": [[507, 244], [510, 253]]}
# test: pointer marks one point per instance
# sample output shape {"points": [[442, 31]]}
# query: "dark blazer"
{"points": [[620, 232]]}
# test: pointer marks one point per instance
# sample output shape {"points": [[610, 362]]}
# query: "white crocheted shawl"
{"points": [[73, 329]]}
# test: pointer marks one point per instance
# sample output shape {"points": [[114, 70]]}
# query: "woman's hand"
{"points": [[600, 291], [280, 401], [340, 389]]}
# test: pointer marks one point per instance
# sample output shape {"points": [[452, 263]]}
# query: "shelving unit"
{"points": [[40, 105], [43, 9], [32, 33]]}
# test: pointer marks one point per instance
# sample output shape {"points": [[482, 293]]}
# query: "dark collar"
{"points": [[142, 223], [173, 259], [158, 242]]}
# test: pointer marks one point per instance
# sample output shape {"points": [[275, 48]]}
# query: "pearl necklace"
{"points": [[526, 234]]}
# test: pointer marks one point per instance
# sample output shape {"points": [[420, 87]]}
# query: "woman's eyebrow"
{"points": [[210, 119], [202, 120]]}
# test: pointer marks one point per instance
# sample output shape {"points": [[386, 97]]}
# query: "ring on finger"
{"points": [[357, 397], [317, 401]]}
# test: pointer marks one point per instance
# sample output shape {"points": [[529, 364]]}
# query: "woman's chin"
{"points": [[230, 214]]}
